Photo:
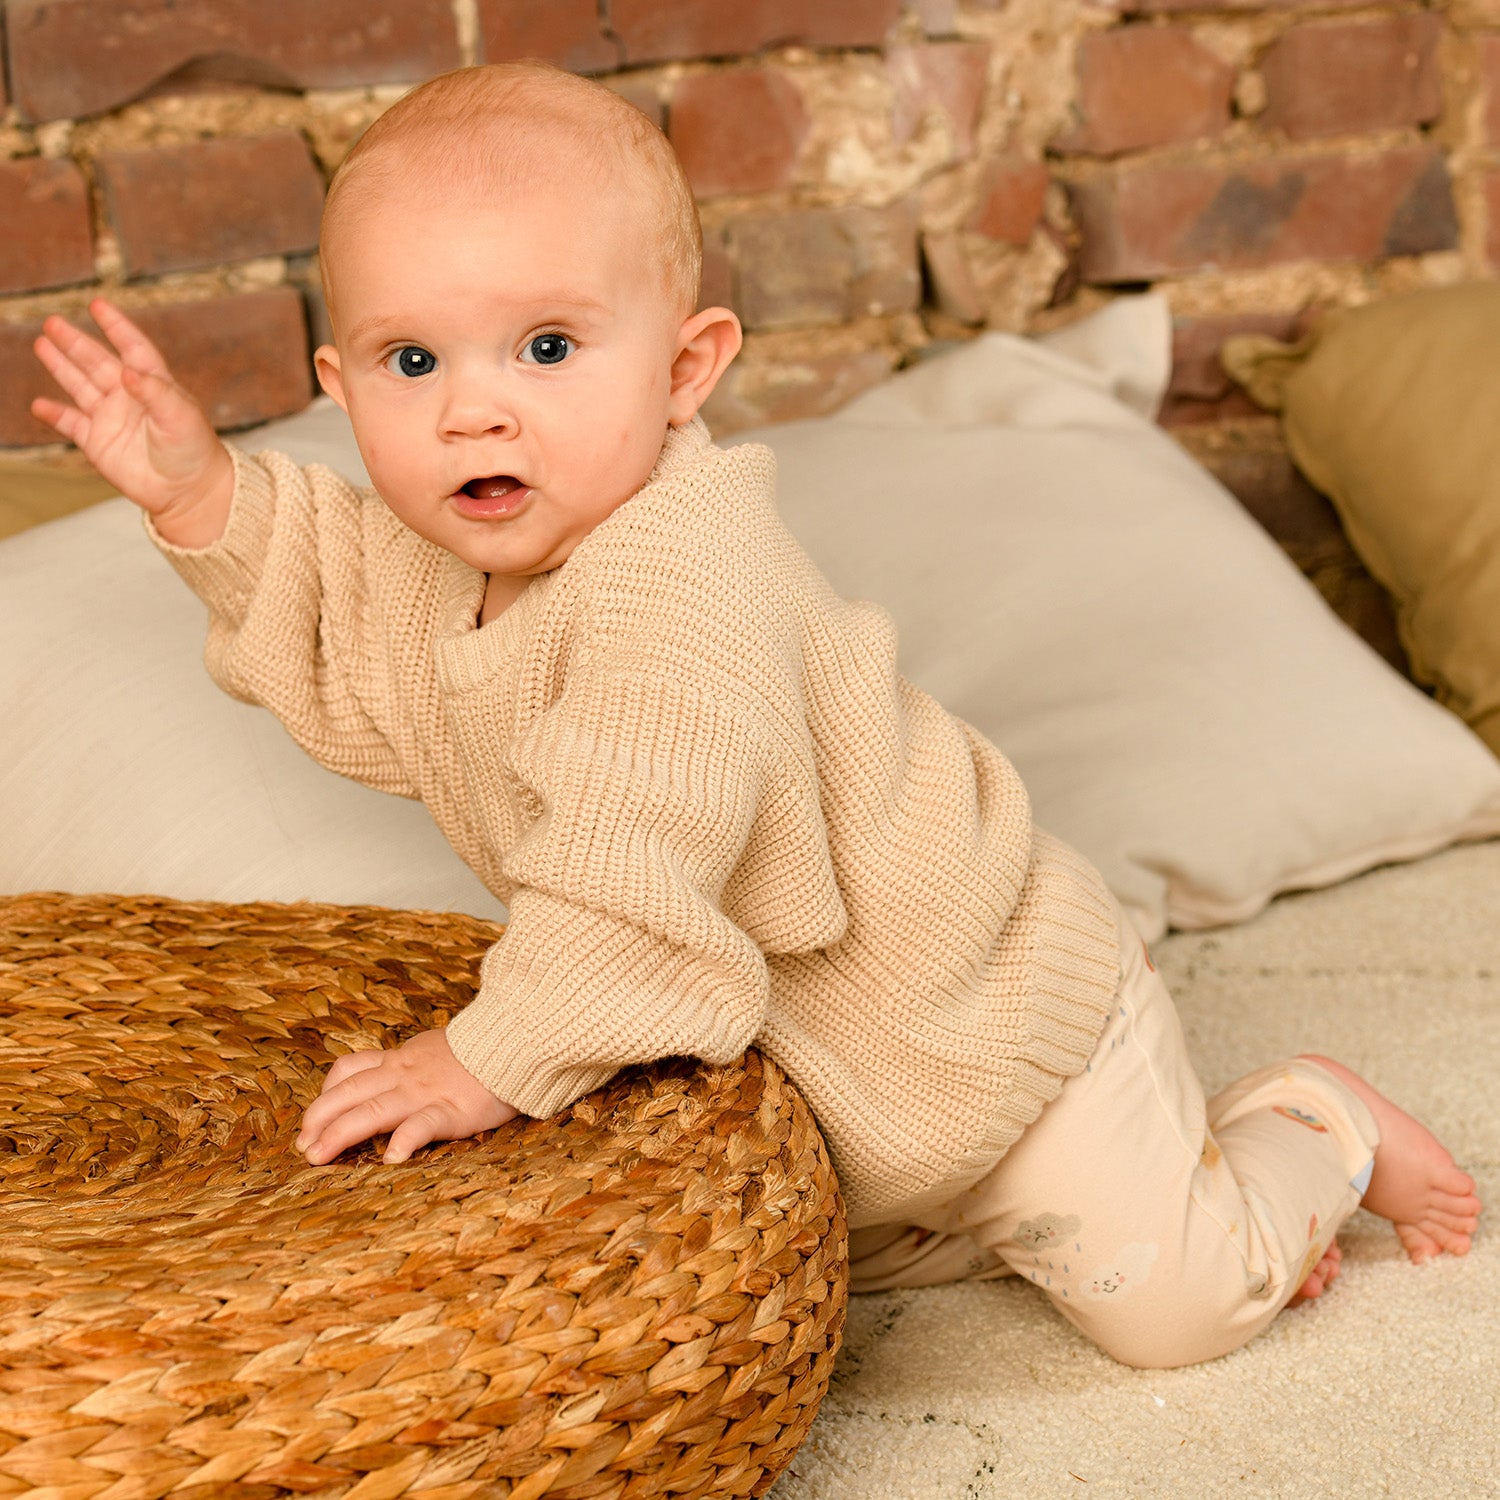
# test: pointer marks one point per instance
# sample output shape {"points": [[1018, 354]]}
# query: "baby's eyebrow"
{"points": [[539, 308], [371, 323]]}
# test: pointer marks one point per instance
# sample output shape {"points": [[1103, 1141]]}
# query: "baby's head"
{"points": [[481, 132], [511, 257]]}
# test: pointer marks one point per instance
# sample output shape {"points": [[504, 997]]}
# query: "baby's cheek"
{"points": [[373, 451]]}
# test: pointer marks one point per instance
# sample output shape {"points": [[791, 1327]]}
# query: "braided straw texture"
{"points": [[642, 1296]]}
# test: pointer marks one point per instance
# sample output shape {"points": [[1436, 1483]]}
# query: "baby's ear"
{"points": [[330, 374], [706, 343]]}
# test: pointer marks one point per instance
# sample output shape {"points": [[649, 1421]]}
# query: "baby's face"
{"points": [[506, 365]]}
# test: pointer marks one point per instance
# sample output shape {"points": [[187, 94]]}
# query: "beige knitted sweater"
{"points": [[718, 814]]}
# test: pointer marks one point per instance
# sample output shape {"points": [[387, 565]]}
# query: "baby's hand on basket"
{"points": [[136, 425], [419, 1091]]}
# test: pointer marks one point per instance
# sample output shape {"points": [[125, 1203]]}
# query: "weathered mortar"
{"points": [[880, 129]]}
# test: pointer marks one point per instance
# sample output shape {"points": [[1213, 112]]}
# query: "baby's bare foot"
{"points": [[1415, 1184], [1321, 1277]]}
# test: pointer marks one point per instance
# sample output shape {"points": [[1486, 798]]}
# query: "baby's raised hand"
{"points": [[136, 425], [419, 1091]]}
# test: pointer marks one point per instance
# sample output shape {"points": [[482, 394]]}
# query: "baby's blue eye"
{"points": [[413, 360], [547, 349]]}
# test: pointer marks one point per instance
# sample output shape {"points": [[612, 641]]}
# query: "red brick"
{"points": [[738, 131], [1142, 86], [938, 17], [1489, 69], [825, 265], [640, 92], [44, 211], [1161, 7], [1143, 221], [244, 358], [660, 30], [319, 324], [717, 288], [212, 201], [565, 32], [1492, 212], [1011, 200], [22, 379], [944, 76], [81, 57], [788, 388], [1200, 389], [1345, 77]]}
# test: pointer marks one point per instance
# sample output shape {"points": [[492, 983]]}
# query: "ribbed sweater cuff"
{"points": [[1077, 969], [499, 1057], [1075, 977], [547, 1011], [569, 997], [525, 1035], [223, 574]]}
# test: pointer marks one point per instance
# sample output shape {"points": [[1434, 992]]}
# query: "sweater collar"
{"points": [[462, 587], [683, 446]]}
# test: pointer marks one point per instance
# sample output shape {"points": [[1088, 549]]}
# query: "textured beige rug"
{"points": [[1390, 1385]]}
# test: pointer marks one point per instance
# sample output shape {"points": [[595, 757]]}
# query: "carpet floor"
{"points": [[1388, 1385]]}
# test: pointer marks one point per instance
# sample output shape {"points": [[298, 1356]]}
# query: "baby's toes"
{"points": [[1321, 1277], [1456, 1241], [1453, 1191], [1467, 1207], [1427, 1240], [1451, 1221], [1452, 1215], [1418, 1244], [1455, 1180]]}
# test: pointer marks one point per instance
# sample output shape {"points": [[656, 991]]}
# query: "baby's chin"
{"points": [[510, 557], [477, 544]]}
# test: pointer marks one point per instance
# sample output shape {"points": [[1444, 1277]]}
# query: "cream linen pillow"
{"points": [[1183, 706], [123, 768], [1393, 412]]}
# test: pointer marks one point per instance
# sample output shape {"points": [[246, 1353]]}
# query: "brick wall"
{"points": [[873, 173]]}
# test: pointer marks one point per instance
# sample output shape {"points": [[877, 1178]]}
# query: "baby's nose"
{"points": [[476, 407]]}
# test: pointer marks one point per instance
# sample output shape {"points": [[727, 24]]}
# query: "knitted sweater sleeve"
{"points": [[287, 590], [618, 949]]}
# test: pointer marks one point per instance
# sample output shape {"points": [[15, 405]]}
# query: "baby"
{"points": [[579, 632]]}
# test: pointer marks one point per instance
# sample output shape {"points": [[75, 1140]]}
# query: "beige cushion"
{"points": [[123, 768], [1393, 411], [1183, 706]]}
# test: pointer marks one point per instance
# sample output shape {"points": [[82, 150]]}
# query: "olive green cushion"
{"points": [[1393, 411]]}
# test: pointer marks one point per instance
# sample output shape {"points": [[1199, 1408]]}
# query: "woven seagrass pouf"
{"points": [[642, 1296]]}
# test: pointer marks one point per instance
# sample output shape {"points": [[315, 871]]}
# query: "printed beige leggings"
{"points": [[1167, 1229]]}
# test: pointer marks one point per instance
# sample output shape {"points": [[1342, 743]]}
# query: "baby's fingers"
{"points": [[63, 352], [88, 373], [86, 353], [350, 1063], [430, 1123], [68, 420], [340, 1091], [135, 348], [354, 1122], [161, 397]]}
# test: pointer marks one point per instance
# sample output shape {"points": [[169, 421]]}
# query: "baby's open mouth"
{"points": [[495, 487]]}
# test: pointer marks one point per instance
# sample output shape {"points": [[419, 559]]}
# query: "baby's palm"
{"points": [[132, 421]]}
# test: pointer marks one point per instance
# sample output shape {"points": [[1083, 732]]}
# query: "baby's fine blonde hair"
{"points": [[478, 130]]}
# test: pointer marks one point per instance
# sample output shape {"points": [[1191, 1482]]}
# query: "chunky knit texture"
{"points": [[718, 814]]}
